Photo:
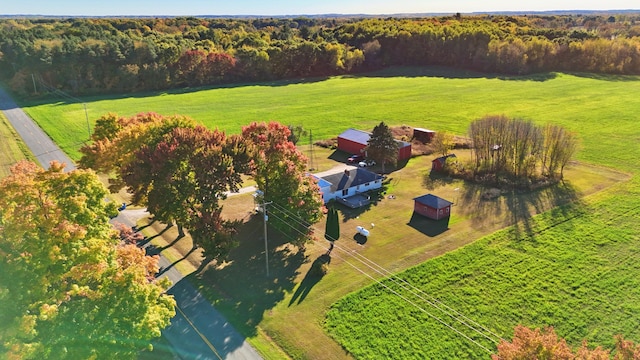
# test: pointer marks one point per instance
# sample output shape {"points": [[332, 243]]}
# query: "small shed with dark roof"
{"points": [[437, 164], [432, 206], [424, 135]]}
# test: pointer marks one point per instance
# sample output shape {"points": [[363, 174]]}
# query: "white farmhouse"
{"points": [[349, 186]]}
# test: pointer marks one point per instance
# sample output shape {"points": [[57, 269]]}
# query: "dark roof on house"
{"points": [[362, 137], [433, 201], [355, 177]]}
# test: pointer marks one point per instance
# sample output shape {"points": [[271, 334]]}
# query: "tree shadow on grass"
{"points": [[313, 276], [180, 236], [428, 226], [433, 180], [140, 228], [450, 73], [340, 156], [240, 286], [165, 269], [516, 207], [169, 226]]}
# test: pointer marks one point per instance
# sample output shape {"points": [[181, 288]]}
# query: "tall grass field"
{"points": [[575, 267]]}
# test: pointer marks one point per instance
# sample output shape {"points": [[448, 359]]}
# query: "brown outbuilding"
{"points": [[432, 206]]}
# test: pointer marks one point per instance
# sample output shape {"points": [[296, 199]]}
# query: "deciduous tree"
{"points": [[443, 142], [546, 345], [179, 171], [69, 288], [279, 170], [184, 177]]}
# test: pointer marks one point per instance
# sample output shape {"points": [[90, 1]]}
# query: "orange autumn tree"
{"points": [[179, 170], [69, 287], [546, 345]]}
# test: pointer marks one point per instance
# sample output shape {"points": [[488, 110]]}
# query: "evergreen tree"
{"points": [[382, 147]]}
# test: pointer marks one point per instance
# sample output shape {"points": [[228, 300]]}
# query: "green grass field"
{"points": [[12, 149], [574, 267], [438, 99]]}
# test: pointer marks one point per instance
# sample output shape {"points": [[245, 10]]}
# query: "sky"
{"points": [[294, 7]]}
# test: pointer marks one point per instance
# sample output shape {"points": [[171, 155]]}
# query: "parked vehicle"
{"points": [[355, 158], [366, 163]]}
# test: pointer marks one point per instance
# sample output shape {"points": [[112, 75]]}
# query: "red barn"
{"points": [[438, 163], [431, 206], [355, 141], [424, 135]]}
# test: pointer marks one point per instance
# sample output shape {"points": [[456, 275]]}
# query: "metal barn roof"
{"points": [[433, 201]]}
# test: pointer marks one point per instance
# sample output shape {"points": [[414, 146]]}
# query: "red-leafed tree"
{"points": [[279, 170], [199, 67], [178, 170], [184, 177]]}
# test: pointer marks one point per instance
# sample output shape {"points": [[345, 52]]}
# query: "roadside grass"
{"points": [[573, 266], [12, 148]]}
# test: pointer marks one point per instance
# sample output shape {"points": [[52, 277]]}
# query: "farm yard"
{"points": [[573, 266]]}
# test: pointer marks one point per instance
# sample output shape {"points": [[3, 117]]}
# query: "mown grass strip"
{"points": [[12, 148]]}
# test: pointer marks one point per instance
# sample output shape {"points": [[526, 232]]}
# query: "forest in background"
{"points": [[115, 55]]}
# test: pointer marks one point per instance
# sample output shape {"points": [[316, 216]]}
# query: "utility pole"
{"points": [[33, 78], [86, 115], [266, 249]]}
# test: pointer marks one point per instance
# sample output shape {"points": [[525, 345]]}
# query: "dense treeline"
{"points": [[122, 55]]}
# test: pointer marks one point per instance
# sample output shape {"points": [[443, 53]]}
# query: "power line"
{"points": [[457, 316], [416, 306], [66, 96], [419, 293]]}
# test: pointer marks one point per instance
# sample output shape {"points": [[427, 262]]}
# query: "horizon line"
{"points": [[440, 13]]}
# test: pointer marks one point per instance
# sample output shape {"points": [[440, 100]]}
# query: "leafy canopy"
{"points": [[68, 286], [279, 170]]}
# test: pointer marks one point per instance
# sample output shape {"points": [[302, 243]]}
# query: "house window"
{"points": [[367, 184], [345, 192]]}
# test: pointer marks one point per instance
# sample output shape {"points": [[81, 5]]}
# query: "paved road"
{"points": [[40, 144], [197, 331]]}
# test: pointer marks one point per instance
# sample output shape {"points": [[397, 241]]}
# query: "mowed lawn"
{"points": [[12, 149], [574, 267]]}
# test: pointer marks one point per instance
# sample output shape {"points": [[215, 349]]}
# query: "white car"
{"points": [[366, 163]]}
